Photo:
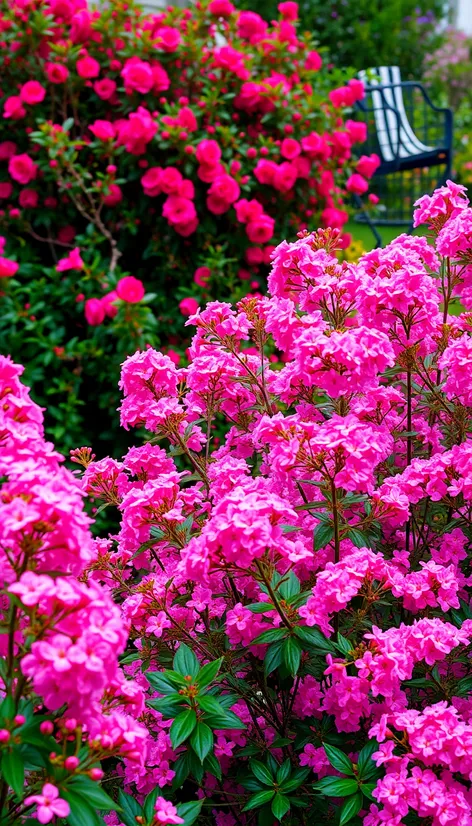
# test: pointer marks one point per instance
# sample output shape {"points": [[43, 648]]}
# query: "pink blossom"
{"points": [[130, 289], [73, 261], [49, 804]]}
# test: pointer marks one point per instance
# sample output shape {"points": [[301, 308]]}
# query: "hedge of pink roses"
{"points": [[279, 626], [176, 149]]}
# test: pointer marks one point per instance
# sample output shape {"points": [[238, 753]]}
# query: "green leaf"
{"points": [[291, 655], [338, 759], [259, 799], [13, 771], [336, 786], [273, 657], [68, 124], [185, 661], [280, 806], [202, 740], [7, 707], [260, 607], [322, 535], [289, 586], [357, 538], [261, 772], [228, 720], [367, 789], [283, 772], [365, 764], [212, 765], [274, 635], [130, 808], [93, 792], [182, 727], [81, 812], [313, 636], [343, 645], [350, 808], [189, 811], [170, 706], [210, 704], [295, 780], [207, 674], [164, 681], [150, 803], [182, 770], [464, 686]]}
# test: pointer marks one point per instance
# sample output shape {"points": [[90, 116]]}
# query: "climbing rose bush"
{"points": [[279, 622], [176, 149]]}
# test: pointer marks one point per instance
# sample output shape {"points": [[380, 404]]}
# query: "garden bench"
{"points": [[413, 139]]}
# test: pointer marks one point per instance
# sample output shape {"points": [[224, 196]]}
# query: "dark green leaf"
{"points": [[313, 636], [280, 806], [212, 765], [343, 645], [290, 586], [274, 635], [291, 655], [367, 789], [81, 812], [350, 808], [13, 771], [283, 771], [228, 720], [93, 793], [260, 607], [358, 539], [261, 772], [182, 770], [295, 780], [130, 809], [189, 811], [182, 727], [168, 706], [202, 740], [210, 705], [185, 661], [365, 764], [338, 759], [273, 657], [336, 786], [259, 799], [322, 535], [149, 805], [164, 681], [208, 673]]}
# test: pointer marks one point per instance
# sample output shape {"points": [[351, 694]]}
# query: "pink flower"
{"points": [[367, 165], [260, 230], [6, 189], [137, 75], [57, 72], [208, 152], [87, 67], [168, 39], [285, 176], [114, 195], [32, 92], [221, 8], [265, 171], [13, 108], [130, 289], [188, 306], [28, 198], [179, 210], [103, 130], [201, 276], [288, 10], [166, 812], [7, 267], [22, 168], [94, 311], [313, 61], [290, 148], [357, 184], [108, 302], [105, 89], [50, 804], [73, 261], [7, 149]]}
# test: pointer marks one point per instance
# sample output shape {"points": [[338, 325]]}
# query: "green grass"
{"points": [[361, 232]]}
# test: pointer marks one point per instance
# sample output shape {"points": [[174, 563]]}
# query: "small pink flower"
{"points": [[166, 812], [130, 289], [188, 306], [103, 130], [32, 92], [50, 804], [72, 262], [13, 108], [22, 168], [88, 67], [7, 267], [94, 312], [56, 72]]}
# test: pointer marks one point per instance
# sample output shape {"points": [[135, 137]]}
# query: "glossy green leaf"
{"points": [[95, 795], [296, 779], [338, 759], [13, 771], [280, 805], [274, 635], [210, 704], [350, 808], [130, 809], [283, 771], [313, 636], [336, 786], [291, 655], [273, 657], [322, 535], [182, 727], [262, 772], [189, 811], [212, 765], [259, 799], [185, 661], [260, 607], [208, 672], [365, 764], [81, 812], [202, 740]]}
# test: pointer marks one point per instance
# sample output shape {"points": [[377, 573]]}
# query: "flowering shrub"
{"points": [[174, 149], [280, 624]]}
